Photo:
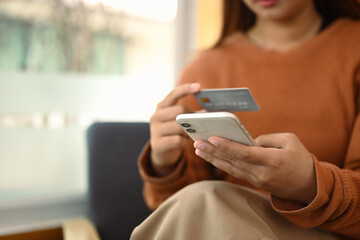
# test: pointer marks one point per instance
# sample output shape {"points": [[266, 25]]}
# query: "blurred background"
{"points": [[65, 64]]}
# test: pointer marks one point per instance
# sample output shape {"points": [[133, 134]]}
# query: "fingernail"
{"points": [[213, 141], [195, 86], [198, 145], [199, 153]]}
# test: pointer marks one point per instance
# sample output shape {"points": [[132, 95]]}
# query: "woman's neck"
{"points": [[281, 35]]}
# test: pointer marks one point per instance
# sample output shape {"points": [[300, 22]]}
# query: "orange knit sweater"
{"points": [[312, 91]]}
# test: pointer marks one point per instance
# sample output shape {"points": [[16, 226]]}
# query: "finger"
{"points": [[233, 157], [169, 143], [168, 129], [179, 92], [276, 140], [241, 171], [201, 111], [169, 113], [240, 152], [210, 150], [252, 166]]}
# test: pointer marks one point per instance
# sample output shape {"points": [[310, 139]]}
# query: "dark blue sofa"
{"points": [[115, 203]]}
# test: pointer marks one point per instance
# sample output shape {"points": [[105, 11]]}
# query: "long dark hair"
{"points": [[238, 17]]}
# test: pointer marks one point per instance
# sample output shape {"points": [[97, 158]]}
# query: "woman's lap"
{"points": [[220, 210]]}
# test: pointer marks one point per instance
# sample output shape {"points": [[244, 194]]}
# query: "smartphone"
{"points": [[221, 124]]}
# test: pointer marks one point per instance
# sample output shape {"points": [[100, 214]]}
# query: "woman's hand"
{"points": [[167, 138], [280, 164]]}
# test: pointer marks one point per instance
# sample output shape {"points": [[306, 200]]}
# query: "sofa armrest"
{"points": [[79, 229]]}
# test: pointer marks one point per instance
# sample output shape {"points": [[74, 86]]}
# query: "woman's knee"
{"points": [[202, 187], [200, 191]]}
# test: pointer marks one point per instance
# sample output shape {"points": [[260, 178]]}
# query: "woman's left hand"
{"points": [[280, 164]]}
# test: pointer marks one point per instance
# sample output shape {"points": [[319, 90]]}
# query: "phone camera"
{"points": [[186, 125], [190, 130]]}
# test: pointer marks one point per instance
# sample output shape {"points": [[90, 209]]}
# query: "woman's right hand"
{"points": [[167, 138]]}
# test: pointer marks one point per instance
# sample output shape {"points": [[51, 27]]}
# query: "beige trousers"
{"points": [[222, 211]]}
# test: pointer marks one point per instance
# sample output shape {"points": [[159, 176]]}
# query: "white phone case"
{"points": [[221, 124]]}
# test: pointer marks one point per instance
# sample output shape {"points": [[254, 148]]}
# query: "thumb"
{"points": [[201, 111], [274, 140]]}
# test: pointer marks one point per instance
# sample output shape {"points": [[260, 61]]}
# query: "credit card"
{"points": [[227, 99]]}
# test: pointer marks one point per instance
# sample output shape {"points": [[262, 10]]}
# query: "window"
{"points": [[65, 64]]}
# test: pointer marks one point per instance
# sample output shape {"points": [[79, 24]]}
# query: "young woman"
{"points": [[301, 61]]}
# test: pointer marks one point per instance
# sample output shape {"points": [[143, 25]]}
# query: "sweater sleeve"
{"points": [[337, 205], [157, 189], [189, 168]]}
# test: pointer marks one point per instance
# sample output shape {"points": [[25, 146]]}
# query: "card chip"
{"points": [[205, 100]]}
